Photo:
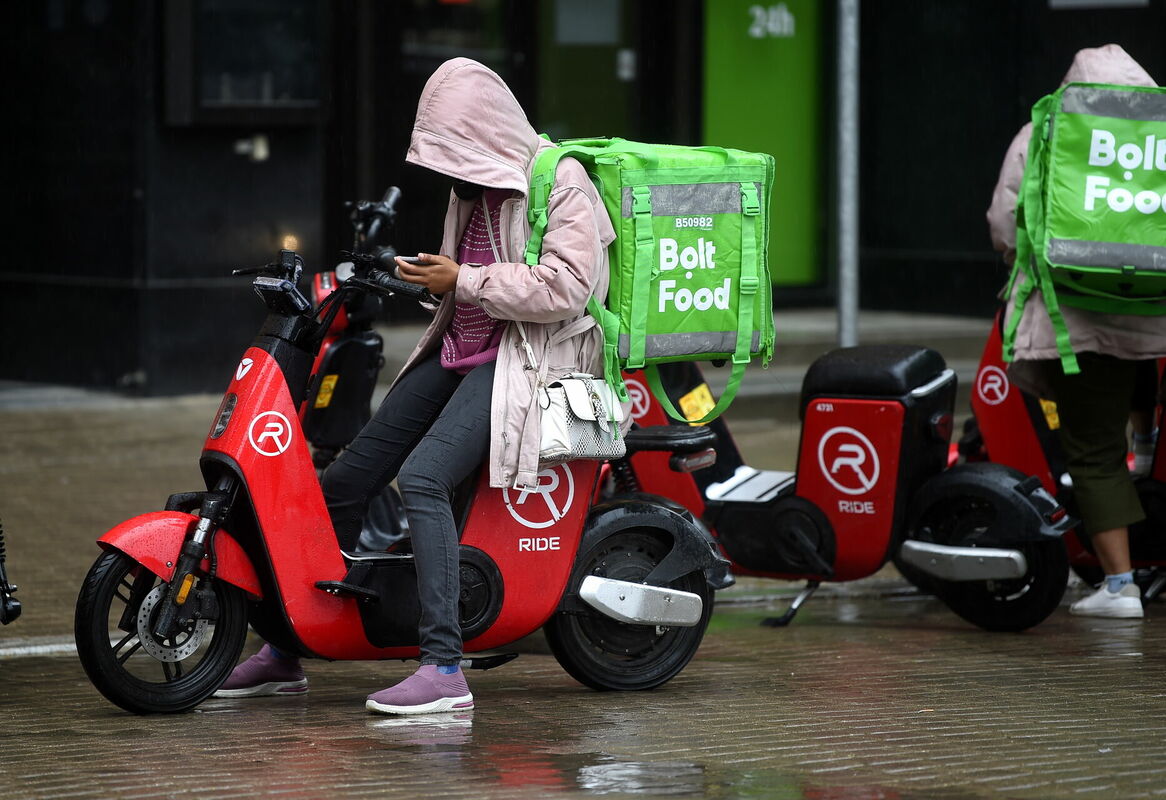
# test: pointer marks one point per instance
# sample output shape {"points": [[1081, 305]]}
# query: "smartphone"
{"points": [[412, 259]]}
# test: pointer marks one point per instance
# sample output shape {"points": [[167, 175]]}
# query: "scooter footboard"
{"points": [[155, 539]]}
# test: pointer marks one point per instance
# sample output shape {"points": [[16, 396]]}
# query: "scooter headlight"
{"points": [[226, 409]]}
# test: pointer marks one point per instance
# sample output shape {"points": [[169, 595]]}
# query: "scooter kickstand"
{"points": [[787, 617]]}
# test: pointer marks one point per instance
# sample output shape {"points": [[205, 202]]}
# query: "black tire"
{"points": [[604, 654], [116, 659], [915, 576], [995, 605]]}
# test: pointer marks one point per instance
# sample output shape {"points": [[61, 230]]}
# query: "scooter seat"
{"points": [[879, 370], [670, 439]]}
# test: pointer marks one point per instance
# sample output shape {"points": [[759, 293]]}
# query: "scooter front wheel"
{"points": [[132, 667], [605, 654]]}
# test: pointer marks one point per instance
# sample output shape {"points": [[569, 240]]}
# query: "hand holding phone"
{"points": [[438, 276]]}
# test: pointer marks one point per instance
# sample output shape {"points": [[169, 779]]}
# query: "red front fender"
{"points": [[155, 539]]}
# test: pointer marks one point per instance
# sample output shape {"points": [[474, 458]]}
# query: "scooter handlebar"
{"points": [[384, 280]]}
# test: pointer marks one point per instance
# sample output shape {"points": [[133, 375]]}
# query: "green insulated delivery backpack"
{"points": [[689, 271], [1091, 211]]}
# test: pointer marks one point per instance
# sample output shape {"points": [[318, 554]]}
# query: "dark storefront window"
{"points": [[243, 61], [265, 54], [434, 32]]}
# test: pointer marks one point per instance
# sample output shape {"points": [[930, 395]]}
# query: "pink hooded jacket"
{"points": [[1128, 337], [469, 126]]}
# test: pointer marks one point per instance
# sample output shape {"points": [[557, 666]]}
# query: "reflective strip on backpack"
{"points": [[677, 345], [1099, 102], [677, 200], [1106, 254]]}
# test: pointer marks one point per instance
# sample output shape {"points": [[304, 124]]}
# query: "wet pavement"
{"points": [[859, 698], [874, 691]]}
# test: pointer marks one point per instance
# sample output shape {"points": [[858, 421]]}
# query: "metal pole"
{"points": [[847, 189]]}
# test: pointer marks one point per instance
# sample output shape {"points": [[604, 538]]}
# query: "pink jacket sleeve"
{"points": [[558, 286], [1002, 213]]}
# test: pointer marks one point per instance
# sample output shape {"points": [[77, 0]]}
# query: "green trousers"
{"points": [[1094, 408]]}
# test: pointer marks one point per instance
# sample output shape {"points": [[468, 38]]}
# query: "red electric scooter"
{"points": [[1012, 427], [624, 587], [873, 483]]}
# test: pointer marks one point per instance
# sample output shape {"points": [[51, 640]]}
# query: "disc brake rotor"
{"points": [[178, 647]]}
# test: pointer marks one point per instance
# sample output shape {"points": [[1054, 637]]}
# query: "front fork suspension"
{"points": [[197, 546]]}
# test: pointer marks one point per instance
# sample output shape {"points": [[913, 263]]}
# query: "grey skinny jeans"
{"points": [[430, 433]]}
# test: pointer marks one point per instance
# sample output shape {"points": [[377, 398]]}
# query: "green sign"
{"points": [[762, 88]]}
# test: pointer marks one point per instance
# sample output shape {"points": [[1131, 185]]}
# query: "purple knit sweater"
{"points": [[473, 336]]}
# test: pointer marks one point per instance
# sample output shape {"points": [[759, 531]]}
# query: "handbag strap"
{"points": [[573, 328]]}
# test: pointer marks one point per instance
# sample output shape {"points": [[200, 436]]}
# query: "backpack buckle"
{"points": [[750, 284], [641, 200], [750, 205]]}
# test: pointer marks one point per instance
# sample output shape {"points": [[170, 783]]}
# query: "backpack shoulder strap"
{"points": [[542, 181]]}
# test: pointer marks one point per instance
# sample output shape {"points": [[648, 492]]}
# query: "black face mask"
{"points": [[467, 191]]}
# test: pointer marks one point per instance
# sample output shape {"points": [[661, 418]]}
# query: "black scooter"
{"points": [[350, 359], [9, 605]]}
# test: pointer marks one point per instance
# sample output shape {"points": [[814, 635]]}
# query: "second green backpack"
{"points": [[1091, 210], [689, 270]]}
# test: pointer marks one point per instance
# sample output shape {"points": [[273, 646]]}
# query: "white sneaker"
{"points": [[1123, 604], [1143, 458]]}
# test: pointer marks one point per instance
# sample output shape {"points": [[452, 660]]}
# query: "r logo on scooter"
{"points": [[270, 433], [555, 504], [641, 400], [992, 385], [848, 460]]}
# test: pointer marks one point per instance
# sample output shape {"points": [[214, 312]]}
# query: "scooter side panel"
{"points": [[848, 464], [1003, 417], [533, 537], [265, 440], [155, 539]]}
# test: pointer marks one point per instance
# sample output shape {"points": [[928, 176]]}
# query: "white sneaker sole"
{"points": [[276, 689], [1109, 613], [464, 703]]}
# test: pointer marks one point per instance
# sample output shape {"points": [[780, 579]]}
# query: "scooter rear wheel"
{"points": [[605, 654], [996, 605], [128, 664]]}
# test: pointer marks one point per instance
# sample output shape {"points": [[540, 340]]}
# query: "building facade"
{"points": [[155, 145]]}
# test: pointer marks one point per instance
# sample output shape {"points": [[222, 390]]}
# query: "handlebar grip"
{"points": [[386, 256], [392, 195], [397, 286]]}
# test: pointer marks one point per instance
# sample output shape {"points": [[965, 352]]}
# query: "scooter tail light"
{"points": [[942, 425], [226, 409], [691, 462]]}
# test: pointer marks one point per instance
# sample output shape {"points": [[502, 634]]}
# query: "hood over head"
{"points": [[470, 127], [1107, 64]]}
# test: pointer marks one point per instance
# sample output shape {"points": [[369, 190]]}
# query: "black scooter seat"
{"points": [[670, 439], [879, 370]]}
